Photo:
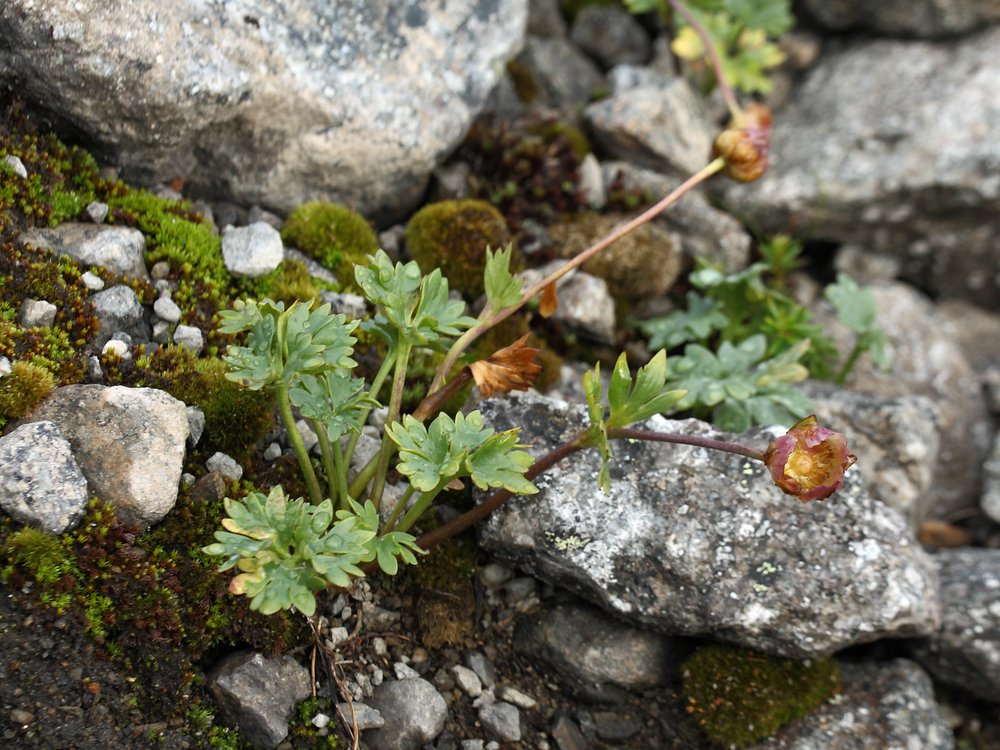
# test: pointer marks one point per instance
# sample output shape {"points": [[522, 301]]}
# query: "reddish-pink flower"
{"points": [[809, 461]]}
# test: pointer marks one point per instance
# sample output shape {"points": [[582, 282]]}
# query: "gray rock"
{"points": [[16, 165], [267, 103], [190, 337], [129, 443], [40, 482], [258, 694], [545, 18], [895, 176], [882, 705], [697, 542], [896, 440], [705, 231], [97, 211], [593, 655], [352, 305], [502, 720], [5, 367], [918, 18], [652, 120], [253, 250], [927, 361], [196, 424], [564, 78], [483, 667], [118, 309], [611, 35], [568, 735], [92, 281], [37, 313], [991, 482], [976, 331], [591, 184], [585, 304], [467, 680], [361, 715], [965, 652], [118, 348], [315, 269], [167, 309], [118, 249], [418, 714], [225, 465], [515, 696]]}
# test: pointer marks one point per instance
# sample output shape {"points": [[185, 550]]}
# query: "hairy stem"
{"points": [[628, 433], [390, 522], [491, 319], [713, 57], [368, 471], [326, 456]]}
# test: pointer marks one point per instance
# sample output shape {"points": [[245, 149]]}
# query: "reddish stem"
{"points": [[627, 433]]}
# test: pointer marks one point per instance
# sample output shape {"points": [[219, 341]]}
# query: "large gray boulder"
{"points": [[128, 442], [698, 542], [919, 18], [894, 146], [268, 103]]}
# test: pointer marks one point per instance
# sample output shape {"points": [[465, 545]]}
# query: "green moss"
{"points": [[446, 604], [303, 735], [525, 85], [24, 388], [454, 236], [173, 233], [289, 282], [528, 168], [333, 235], [739, 696]]}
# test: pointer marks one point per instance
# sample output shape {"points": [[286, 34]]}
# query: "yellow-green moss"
{"points": [[24, 388], [289, 282], [333, 235], [454, 236], [641, 265], [525, 85], [739, 696], [447, 602]]}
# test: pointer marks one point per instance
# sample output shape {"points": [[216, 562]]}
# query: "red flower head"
{"points": [[809, 461]]}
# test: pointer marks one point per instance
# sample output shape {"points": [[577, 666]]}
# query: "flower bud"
{"points": [[809, 461], [744, 144]]}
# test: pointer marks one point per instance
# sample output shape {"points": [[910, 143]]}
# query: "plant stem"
{"points": [[326, 456], [463, 342], [713, 57], [340, 464], [369, 469], [628, 433], [400, 507], [433, 402], [498, 498], [395, 402], [295, 439], [415, 512], [848, 365]]}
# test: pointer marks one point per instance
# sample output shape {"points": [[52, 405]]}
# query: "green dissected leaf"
{"points": [[316, 340], [503, 289], [498, 463], [772, 16], [388, 549], [701, 319], [280, 585], [598, 429], [255, 365], [409, 305], [855, 306], [648, 397], [436, 315], [246, 313], [334, 399], [426, 454], [286, 550], [468, 432]]}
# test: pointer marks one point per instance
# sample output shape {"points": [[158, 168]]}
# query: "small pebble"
{"points": [[21, 717], [97, 212], [225, 465], [515, 696], [160, 270], [167, 309], [272, 452], [336, 636], [467, 680], [404, 672], [118, 348], [15, 163], [92, 281]]}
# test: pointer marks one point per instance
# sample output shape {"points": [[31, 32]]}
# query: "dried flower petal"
{"points": [[809, 461], [549, 303], [510, 369], [745, 143]]}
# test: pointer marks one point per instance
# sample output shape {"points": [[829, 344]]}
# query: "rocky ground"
{"points": [[569, 620]]}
